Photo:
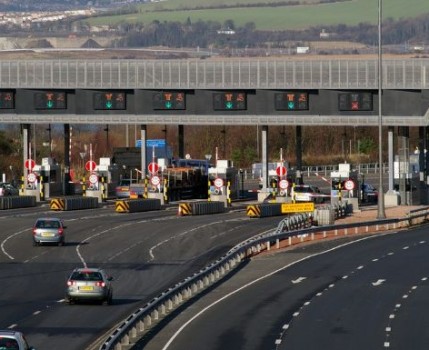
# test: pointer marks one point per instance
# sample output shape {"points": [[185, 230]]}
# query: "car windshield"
{"points": [[86, 276], [8, 344], [303, 189], [47, 224]]}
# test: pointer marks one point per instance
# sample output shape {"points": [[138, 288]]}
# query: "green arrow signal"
{"points": [[50, 104], [109, 104], [291, 105], [168, 105], [229, 105]]}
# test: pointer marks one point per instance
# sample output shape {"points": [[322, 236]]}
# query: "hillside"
{"points": [[270, 14]]}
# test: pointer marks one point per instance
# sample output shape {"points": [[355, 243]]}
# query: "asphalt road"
{"points": [[146, 253], [371, 294]]}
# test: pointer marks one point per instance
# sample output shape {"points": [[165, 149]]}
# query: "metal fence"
{"points": [[249, 73]]}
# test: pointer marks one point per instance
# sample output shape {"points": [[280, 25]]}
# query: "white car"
{"points": [[306, 193]]}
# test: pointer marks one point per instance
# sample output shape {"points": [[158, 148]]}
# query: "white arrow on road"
{"points": [[298, 280], [378, 283]]}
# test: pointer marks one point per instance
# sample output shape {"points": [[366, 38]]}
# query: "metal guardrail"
{"points": [[134, 327]]}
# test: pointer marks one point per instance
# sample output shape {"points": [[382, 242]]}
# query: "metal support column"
{"points": [[299, 179], [264, 145], [25, 141], [422, 165], [66, 183], [404, 163], [143, 137], [391, 156], [181, 135]]}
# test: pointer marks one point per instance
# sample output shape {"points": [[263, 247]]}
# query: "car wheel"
{"points": [[35, 244], [61, 243]]}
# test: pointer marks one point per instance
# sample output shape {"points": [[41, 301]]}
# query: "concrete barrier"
{"points": [[13, 202], [137, 205], [73, 203]]}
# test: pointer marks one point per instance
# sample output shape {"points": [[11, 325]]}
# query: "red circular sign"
{"points": [[93, 178], [90, 165], [349, 185], [281, 171], [283, 184], [153, 167], [30, 164], [31, 177], [155, 180], [218, 182]]}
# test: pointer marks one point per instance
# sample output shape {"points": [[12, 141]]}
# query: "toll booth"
{"points": [[102, 180], [223, 182], [407, 179], [48, 181], [345, 185]]}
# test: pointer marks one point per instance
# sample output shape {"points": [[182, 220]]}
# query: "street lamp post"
{"points": [[380, 203]]}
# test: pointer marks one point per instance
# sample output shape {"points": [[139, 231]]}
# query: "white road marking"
{"points": [[378, 283], [193, 318], [6, 239], [12, 326], [36, 312], [298, 280]]}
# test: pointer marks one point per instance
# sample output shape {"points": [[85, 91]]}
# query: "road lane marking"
{"points": [[378, 282], [249, 284], [298, 280], [6, 239]]}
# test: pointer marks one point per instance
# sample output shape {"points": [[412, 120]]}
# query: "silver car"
{"points": [[49, 230], [13, 340], [89, 284]]}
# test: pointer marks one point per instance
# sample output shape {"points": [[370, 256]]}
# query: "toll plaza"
{"points": [[223, 182]]}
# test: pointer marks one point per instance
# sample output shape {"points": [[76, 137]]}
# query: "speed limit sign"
{"points": [[93, 178], [155, 180], [349, 185], [283, 184], [218, 182], [31, 177]]}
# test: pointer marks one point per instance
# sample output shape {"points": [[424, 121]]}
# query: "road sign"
{"points": [[30, 164], [283, 184], [155, 180], [90, 165], [31, 177], [93, 178], [281, 170], [153, 167], [349, 185], [218, 182]]}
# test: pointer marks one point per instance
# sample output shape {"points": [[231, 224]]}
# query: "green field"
{"points": [[274, 18]]}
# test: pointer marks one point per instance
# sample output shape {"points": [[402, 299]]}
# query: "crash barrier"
{"points": [[200, 208], [73, 203], [137, 205], [327, 214], [12, 202], [264, 210], [137, 324]]}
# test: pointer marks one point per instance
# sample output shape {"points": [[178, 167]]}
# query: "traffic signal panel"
{"points": [[50, 100], [225, 101], [169, 100], [7, 100], [109, 100], [355, 101], [291, 101]]}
